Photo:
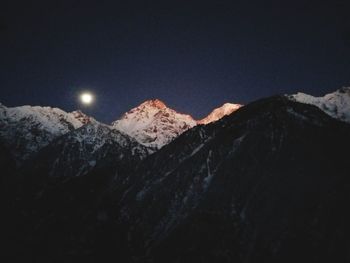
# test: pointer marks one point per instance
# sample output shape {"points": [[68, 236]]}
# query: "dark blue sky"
{"points": [[193, 55]]}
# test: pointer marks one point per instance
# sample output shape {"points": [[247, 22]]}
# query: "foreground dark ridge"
{"points": [[268, 183]]}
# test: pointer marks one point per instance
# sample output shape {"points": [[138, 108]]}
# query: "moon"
{"points": [[86, 98]]}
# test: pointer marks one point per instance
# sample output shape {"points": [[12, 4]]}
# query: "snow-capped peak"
{"points": [[153, 124], [335, 104], [26, 129], [220, 112]]}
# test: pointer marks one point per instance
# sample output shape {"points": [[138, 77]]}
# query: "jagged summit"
{"points": [[218, 113], [156, 103]]}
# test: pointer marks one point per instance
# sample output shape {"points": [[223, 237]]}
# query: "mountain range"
{"points": [[152, 124], [264, 182]]}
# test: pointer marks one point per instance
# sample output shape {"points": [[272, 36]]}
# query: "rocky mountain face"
{"points": [[154, 124], [27, 129], [268, 183], [218, 113], [335, 104]]}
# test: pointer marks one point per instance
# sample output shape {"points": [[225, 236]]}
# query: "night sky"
{"points": [[193, 55]]}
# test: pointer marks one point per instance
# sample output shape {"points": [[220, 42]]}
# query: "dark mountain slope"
{"points": [[269, 183]]}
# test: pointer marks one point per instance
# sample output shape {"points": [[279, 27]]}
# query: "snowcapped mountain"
{"points": [[153, 124], [335, 104], [220, 112], [26, 129]]}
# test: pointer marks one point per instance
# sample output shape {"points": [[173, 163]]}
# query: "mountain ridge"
{"points": [[152, 123]]}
